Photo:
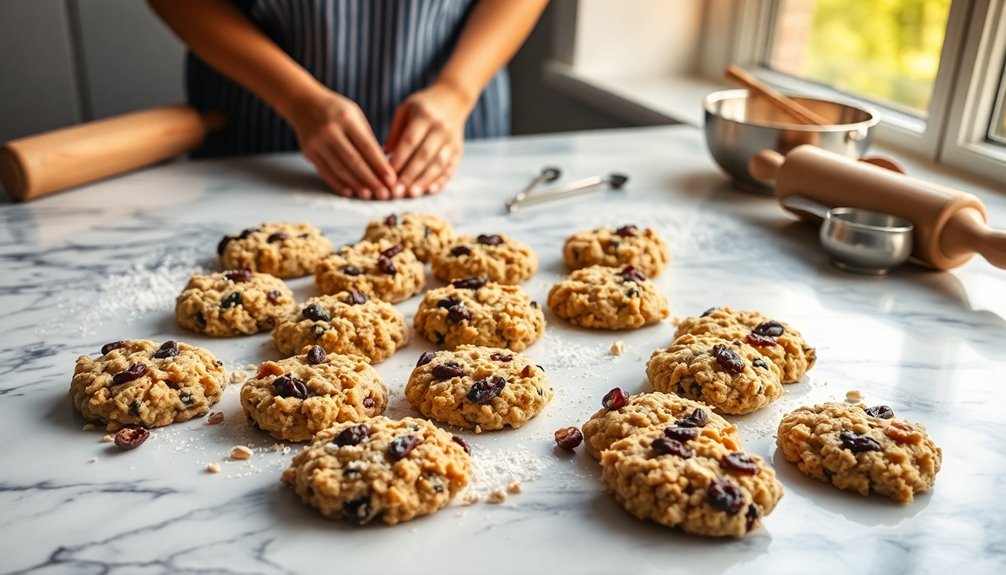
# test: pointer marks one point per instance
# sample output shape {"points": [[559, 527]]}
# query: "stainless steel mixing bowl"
{"points": [[738, 126]]}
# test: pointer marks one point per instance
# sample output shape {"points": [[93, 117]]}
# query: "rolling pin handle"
{"points": [[967, 232]]}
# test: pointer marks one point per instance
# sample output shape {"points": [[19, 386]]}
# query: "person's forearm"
{"points": [[494, 31], [219, 34]]}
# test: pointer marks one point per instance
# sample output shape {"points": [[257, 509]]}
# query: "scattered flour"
{"points": [[494, 470]]}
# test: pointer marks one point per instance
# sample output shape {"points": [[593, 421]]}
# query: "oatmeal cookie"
{"points": [[861, 449], [381, 270], [478, 387], [297, 397], [775, 340], [380, 468], [473, 311], [236, 302], [497, 257], [601, 297], [616, 247], [421, 233], [731, 376], [140, 382], [282, 249], [348, 323]]}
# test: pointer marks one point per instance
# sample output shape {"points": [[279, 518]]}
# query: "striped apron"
{"points": [[375, 52]]}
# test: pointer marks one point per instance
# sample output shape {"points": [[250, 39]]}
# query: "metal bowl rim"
{"points": [[710, 99], [901, 224]]}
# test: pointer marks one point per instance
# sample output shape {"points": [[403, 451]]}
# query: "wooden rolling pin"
{"points": [[39, 165], [950, 225]]}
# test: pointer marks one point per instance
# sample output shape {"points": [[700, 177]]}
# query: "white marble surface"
{"points": [[104, 263]]}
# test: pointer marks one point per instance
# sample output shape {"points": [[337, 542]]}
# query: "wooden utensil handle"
{"points": [[38, 165], [801, 113]]}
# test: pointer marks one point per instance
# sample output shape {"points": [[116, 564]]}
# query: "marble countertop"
{"points": [[105, 263]]}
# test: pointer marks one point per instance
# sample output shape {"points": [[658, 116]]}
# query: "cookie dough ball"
{"points": [[421, 233], [601, 297], [497, 257], [616, 247], [236, 302], [348, 323], [731, 376], [380, 469], [283, 249], [297, 397], [473, 311], [775, 340], [481, 388], [381, 270], [861, 449], [656, 410], [141, 382], [697, 485]]}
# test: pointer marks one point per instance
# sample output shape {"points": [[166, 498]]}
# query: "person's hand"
{"points": [[427, 139], [335, 136]]}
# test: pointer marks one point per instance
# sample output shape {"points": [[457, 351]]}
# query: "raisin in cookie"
{"points": [[601, 297], [283, 249], [647, 411], [615, 247], [423, 234], [690, 482], [731, 376], [496, 257], [775, 340], [140, 382], [295, 398], [380, 468], [473, 311], [348, 323], [381, 270], [861, 449], [238, 302], [481, 388]]}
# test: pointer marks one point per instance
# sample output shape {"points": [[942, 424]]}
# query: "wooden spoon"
{"points": [[795, 110]]}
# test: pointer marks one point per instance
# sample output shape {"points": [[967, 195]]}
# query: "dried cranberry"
{"points": [[739, 464], [770, 328], [246, 232], [391, 221], [568, 438], [131, 437], [697, 418], [110, 346], [681, 433], [273, 296], [289, 386], [393, 251], [750, 517], [668, 446], [359, 510], [239, 276], [857, 442], [277, 237], [728, 359], [448, 370], [352, 271], [401, 446], [632, 274], [614, 399], [369, 402], [458, 251], [352, 435], [386, 266], [627, 231], [489, 239], [458, 313], [725, 496], [223, 244], [707, 312], [464, 444], [232, 299], [448, 302], [760, 340], [497, 356], [880, 412], [315, 312], [135, 371], [485, 389], [356, 298], [425, 358], [759, 363], [470, 283], [167, 349], [316, 355]]}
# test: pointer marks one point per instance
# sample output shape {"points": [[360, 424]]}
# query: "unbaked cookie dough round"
{"points": [[282, 249], [231, 303], [382, 270], [496, 257], [423, 234], [601, 297], [616, 247]]}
